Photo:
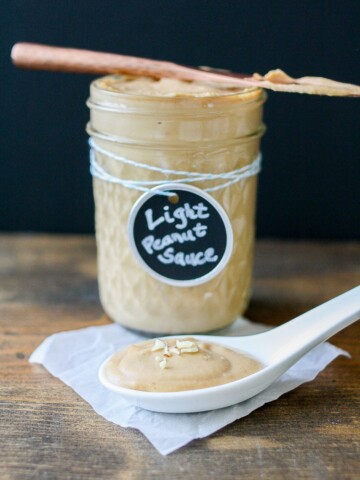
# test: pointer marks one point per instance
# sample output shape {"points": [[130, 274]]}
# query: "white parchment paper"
{"points": [[76, 356]]}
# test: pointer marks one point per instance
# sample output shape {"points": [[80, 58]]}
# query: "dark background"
{"points": [[310, 180]]}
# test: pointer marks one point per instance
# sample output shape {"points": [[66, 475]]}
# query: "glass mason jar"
{"points": [[210, 133]]}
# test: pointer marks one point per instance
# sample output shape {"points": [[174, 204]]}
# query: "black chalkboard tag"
{"points": [[184, 239]]}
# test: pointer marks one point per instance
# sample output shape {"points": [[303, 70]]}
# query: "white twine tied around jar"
{"points": [[229, 178]]}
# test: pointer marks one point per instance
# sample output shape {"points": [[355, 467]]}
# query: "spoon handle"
{"points": [[75, 60], [295, 338]]}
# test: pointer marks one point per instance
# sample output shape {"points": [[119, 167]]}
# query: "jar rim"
{"points": [[254, 94]]}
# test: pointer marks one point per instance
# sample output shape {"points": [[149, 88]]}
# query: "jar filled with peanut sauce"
{"points": [[172, 126]]}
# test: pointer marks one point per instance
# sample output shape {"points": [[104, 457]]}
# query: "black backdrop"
{"points": [[310, 180]]}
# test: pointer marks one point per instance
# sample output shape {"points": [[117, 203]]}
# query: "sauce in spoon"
{"points": [[174, 365]]}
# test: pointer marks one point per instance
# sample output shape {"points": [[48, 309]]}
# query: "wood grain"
{"points": [[48, 284]]}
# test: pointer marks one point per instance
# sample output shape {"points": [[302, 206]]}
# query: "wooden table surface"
{"points": [[48, 284]]}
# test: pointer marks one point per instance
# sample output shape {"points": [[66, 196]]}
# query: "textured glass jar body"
{"points": [[189, 133]]}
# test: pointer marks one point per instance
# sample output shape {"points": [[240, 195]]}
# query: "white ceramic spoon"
{"points": [[278, 349]]}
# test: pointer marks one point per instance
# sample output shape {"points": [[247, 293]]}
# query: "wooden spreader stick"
{"points": [[41, 57]]}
